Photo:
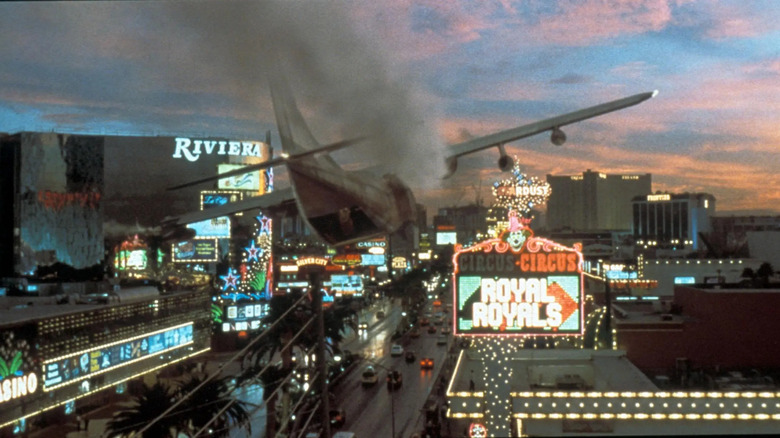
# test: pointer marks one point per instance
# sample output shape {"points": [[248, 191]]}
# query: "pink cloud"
{"points": [[731, 21], [583, 22]]}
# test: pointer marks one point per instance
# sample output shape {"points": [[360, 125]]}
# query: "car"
{"points": [[432, 329], [446, 330], [337, 417], [441, 340], [424, 321], [363, 326], [369, 376], [394, 379], [409, 356], [415, 332], [426, 363], [380, 314], [396, 350]]}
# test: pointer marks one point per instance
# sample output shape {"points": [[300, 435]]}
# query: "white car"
{"points": [[396, 350], [369, 376]]}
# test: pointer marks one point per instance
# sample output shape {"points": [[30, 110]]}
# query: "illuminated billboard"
{"points": [[239, 317], [252, 181], [75, 367], [372, 259], [446, 238], [213, 198], [194, 251], [219, 228], [346, 283], [518, 284]]}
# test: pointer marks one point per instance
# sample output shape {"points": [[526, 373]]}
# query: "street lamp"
{"points": [[392, 398]]}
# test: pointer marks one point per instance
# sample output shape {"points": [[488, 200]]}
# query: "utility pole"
{"points": [[315, 280]]}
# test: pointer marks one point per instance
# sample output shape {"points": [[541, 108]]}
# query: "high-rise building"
{"points": [[593, 200], [676, 219]]}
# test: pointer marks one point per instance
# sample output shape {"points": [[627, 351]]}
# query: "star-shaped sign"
{"points": [[253, 252], [265, 224], [230, 280]]}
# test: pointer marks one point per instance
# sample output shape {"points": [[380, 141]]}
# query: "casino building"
{"points": [[57, 357], [672, 219], [593, 200]]}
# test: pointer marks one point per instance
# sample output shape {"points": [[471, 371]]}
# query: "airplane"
{"points": [[342, 207]]}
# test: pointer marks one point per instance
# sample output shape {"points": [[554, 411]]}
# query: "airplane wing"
{"points": [[272, 199], [498, 139], [273, 162]]}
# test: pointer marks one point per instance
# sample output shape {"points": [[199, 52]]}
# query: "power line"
{"points": [[219, 370]]}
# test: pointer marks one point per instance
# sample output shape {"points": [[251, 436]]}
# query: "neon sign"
{"points": [[520, 192], [76, 367], [13, 382], [477, 430], [210, 198], [309, 261], [218, 227], [192, 149], [195, 250], [246, 181], [519, 285], [656, 198]]}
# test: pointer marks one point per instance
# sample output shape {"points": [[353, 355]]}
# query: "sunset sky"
{"points": [[417, 75]]}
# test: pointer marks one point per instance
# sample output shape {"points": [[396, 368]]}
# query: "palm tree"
{"points": [[749, 274], [209, 401], [764, 272], [271, 379], [145, 408]]}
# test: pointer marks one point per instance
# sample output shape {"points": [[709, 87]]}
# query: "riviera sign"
{"points": [[192, 149]]}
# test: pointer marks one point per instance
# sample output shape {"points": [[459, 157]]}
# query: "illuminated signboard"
{"points": [[351, 259], [241, 317], [372, 259], [134, 259], [518, 284], [346, 283], [684, 280], [446, 238], [312, 261], [195, 250], [656, 198], [252, 181], [14, 383], [621, 275], [399, 262], [75, 367], [210, 198], [191, 149], [219, 228], [520, 192], [376, 243]]}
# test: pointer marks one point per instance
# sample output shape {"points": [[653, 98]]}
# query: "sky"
{"points": [[415, 76]]}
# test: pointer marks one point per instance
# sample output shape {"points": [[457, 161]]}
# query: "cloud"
{"points": [[572, 78], [577, 23]]}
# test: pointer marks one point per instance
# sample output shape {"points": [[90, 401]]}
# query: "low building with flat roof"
{"points": [[574, 391], [58, 354]]}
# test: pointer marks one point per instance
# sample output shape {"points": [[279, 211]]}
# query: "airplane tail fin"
{"points": [[294, 132]]}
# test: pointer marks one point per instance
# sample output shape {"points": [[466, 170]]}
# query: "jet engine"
{"points": [[505, 163], [557, 137]]}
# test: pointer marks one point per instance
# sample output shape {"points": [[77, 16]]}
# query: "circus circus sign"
{"points": [[518, 284]]}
